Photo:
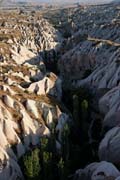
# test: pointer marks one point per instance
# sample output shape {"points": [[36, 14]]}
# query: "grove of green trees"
{"points": [[46, 162]]}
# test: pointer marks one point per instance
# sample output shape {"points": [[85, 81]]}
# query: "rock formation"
{"points": [[29, 95], [103, 170], [91, 59]]}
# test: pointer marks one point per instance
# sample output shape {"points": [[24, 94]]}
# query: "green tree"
{"points": [[65, 141], [65, 155], [84, 110], [46, 159], [47, 166], [44, 143], [35, 162], [61, 168], [28, 168], [84, 104], [31, 164]]}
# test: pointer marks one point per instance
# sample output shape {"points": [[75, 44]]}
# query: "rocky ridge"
{"points": [[90, 58], [29, 95]]}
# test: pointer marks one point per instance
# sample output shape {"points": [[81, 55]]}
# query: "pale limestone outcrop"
{"points": [[26, 113], [31, 107], [23, 120], [49, 119], [8, 101], [23, 55], [21, 75], [48, 85]]}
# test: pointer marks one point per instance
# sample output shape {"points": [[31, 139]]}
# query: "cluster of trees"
{"points": [[79, 102], [46, 162]]}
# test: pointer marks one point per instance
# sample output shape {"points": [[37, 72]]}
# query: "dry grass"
{"points": [[4, 49]]}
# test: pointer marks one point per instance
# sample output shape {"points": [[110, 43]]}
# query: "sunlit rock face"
{"points": [[50, 84], [29, 95], [25, 116]]}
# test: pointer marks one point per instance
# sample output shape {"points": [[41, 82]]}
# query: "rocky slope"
{"points": [[29, 95], [94, 48], [90, 58]]}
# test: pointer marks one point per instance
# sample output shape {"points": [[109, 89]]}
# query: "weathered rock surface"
{"points": [[25, 117], [29, 95], [50, 84], [102, 171], [110, 107], [91, 57], [109, 149], [95, 47]]}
